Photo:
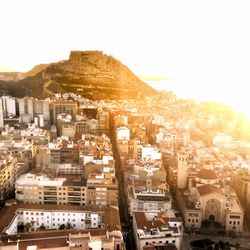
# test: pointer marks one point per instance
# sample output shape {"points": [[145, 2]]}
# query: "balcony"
{"points": [[50, 193], [74, 194]]}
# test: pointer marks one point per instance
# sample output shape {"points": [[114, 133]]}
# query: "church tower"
{"points": [[182, 170]]}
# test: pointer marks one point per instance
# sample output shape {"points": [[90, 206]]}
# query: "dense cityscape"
{"points": [[152, 173]]}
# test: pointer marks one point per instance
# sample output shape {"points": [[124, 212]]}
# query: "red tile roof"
{"points": [[208, 189], [207, 174], [144, 224]]}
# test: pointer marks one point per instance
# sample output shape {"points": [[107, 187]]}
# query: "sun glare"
{"points": [[183, 89]]}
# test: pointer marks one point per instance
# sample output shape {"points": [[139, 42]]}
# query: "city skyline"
{"points": [[201, 46]]}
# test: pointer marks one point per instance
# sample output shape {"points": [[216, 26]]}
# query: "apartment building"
{"points": [[64, 107], [38, 187], [149, 195], [8, 175], [102, 189], [46, 187], [162, 228], [241, 184], [9, 105]]}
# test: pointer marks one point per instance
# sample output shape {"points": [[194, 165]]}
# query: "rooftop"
{"points": [[207, 174], [110, 216], [208, 189]]}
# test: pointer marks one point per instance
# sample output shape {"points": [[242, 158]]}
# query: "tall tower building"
{"points": [[64, 107], [1, 115], [8, 105], [182, 170], [26, 109]]}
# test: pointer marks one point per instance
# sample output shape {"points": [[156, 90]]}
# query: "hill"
{"points": [[91, 74]]}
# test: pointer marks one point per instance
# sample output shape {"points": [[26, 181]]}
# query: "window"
{"points": [[234, 217]]}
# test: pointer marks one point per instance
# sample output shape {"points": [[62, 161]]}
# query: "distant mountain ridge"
{"points": [[92, 74]]}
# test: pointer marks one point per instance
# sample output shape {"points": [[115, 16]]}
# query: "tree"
{"points": [[27, 227], [69, 226], [42, 227], [62, 226]]}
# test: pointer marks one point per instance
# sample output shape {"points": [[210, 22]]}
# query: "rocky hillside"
{"points": [[92, 74]]}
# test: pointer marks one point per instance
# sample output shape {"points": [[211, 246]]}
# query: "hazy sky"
{"points": [[204, 46]]}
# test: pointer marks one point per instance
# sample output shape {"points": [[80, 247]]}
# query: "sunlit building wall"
{"points": [[1, 115], [9, 105], [8, 174], [123, 133]]}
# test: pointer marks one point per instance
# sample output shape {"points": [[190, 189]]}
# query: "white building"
{"points": [[94, 240], [9, 105], [123, 133], [149, 195], [22, 217], [149, 152], [157, 228], [26, 109]]}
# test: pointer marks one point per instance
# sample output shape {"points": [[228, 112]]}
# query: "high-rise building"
{"points": [[64, 107], [9, 105], [26, 109], [1, 115]]}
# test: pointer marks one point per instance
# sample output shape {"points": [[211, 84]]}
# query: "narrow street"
{"points": [[123, 207]]}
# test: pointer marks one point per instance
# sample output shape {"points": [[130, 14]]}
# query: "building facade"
{"points": [[157, 228]]}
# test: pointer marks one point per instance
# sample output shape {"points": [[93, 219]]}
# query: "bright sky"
{"points": [[204, 46]]}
